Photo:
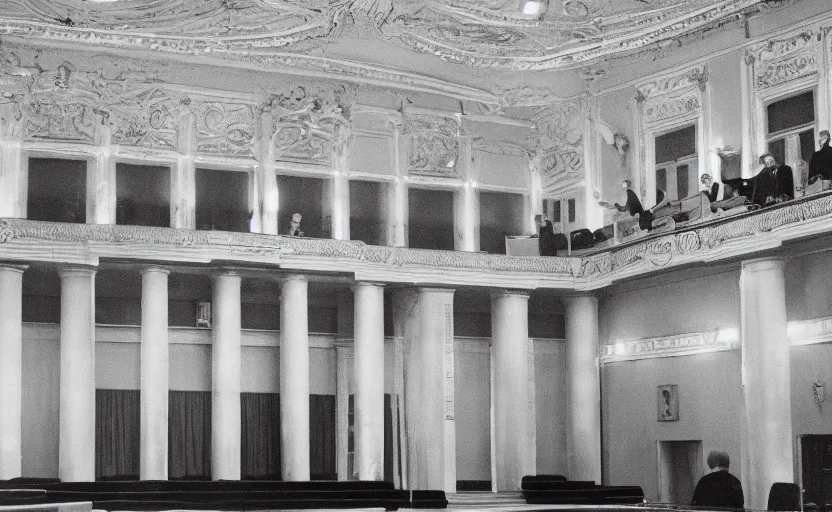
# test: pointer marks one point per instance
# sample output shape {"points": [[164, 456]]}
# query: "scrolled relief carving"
{"points": [[309, 122], [558, 143], [671, 106], [224, 127], [432, 145], [771, 73], [694, 77], [146, 118]]}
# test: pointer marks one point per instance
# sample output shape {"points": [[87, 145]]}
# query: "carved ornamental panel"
{"points": [[674, 97], [432, 145], [781, 61], [224, 127], [559, 144]]}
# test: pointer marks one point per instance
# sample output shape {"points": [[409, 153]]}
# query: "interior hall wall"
{"points": [[550, 406], [710, 410], [726, 99], [674, 303], [472, 408]]}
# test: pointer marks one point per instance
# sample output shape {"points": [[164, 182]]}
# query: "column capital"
{"points": [[763, 264], [77, 271], [434, 289], [367, 284], [523, 294], [154, 270], [294, 277], [12, 267]]}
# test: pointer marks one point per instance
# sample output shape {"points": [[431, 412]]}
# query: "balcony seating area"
{"points": [[557, 490], [218, 495]]}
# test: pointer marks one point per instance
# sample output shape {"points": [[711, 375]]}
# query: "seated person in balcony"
{"points": [[294, 226], [709, 187], [546, 240], [773, 184], [820, 166], [631, 207]]}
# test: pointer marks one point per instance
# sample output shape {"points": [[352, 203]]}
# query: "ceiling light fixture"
{"points": [[533, 7]]}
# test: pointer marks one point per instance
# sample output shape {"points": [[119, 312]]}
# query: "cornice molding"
{"points": [[668, 346]]}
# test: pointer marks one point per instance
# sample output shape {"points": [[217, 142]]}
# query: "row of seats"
{"points": [[557, 490], [220, 495]]}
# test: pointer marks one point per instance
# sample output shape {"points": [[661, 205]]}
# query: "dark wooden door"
{"points": [[817, 470]]}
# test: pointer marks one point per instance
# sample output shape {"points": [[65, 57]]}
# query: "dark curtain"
{"points": [[189, 435], [117, 437], [322, 437], [389, 447], [260, 443]]}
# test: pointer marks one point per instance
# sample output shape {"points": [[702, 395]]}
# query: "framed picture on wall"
{"points": [[668, 401]]}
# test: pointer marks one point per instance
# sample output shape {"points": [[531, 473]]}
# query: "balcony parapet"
{"points": [[709, 240], [86, 243]]}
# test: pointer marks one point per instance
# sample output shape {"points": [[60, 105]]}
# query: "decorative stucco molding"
{"points": [[202, 245], [779, 61], [719, 239], [558, 144], [432, 144], [668, 346]]}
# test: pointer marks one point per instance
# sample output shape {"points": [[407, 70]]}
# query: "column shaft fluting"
{"points": [[294, 380], [510, 339], [11, 371], [766, 378], [76, 452], [369, 381], [154, 375], [584, 409], [225, 383]]}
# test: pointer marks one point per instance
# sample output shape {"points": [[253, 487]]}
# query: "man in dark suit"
{"points": [[820, 166], [719, 488], [546, 242], [773, 184]]}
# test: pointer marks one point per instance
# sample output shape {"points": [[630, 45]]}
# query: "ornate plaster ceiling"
{"points": [[477, 33]]}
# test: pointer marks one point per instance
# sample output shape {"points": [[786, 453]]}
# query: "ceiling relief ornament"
{"points": [[558, 144], [311, 122], [779, 61], [432, 144], [477, 33]]}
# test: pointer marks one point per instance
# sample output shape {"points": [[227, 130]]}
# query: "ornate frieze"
{"points": [[432, 144], [147, 117], [780, 61]]}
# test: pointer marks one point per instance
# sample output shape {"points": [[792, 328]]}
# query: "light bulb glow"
{"points": [[531, 7]]}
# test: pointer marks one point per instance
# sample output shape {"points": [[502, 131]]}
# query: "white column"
{"points": [[593, 212], [225, 382], [183, 177], [396, 207], [14, 171], [76, 452], [466, 201], [583, 444], [369, 381], [11, 370], [154, 375], [294, 380], [823, 83], [747, 115], [426, 317], [268, 200], [509, 341], [339, 206], [766, 378], [101, 182]]}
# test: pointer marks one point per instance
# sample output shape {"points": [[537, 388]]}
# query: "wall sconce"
{"points": [[817, 392]]}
